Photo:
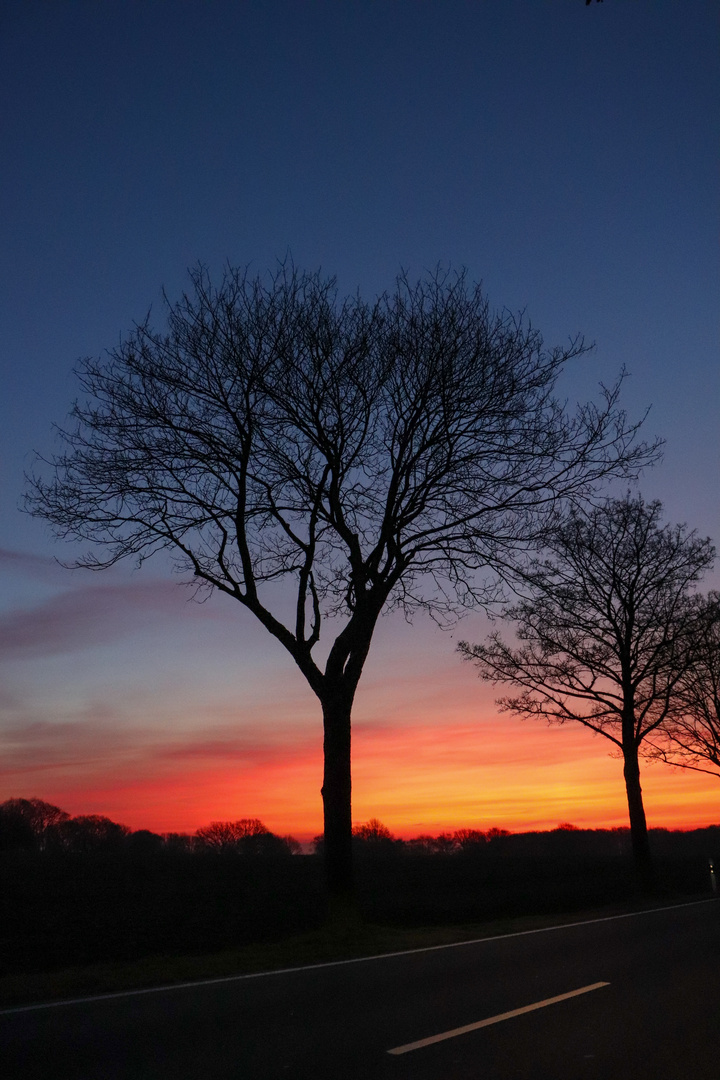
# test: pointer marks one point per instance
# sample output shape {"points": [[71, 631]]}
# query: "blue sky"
{"points": [[566, 154]]}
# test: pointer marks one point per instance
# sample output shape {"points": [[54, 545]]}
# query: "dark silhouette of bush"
{"points": [[469, 840], [16, 832], [421, 845], [372, 832], [24, 822], [178, 843], [496, 834], [145, 844], [247, 836], [87, 833]]}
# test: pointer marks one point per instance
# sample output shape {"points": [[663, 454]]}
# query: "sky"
{"points": [[566, 154]]}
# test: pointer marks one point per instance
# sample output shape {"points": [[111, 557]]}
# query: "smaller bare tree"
{"points": [[691, 738], [602, 624]]}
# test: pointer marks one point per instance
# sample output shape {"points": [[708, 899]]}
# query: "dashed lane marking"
{"points": [[494, 1019]]}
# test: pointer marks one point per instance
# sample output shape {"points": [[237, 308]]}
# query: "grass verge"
{"points": [[331, 943]]}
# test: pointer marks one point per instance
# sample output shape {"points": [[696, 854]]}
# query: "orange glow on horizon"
{"points": [[415, 779]]}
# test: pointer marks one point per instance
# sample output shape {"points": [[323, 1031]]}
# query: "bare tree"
{"points": [[228, 835], [40, 815], [373, 832], [87, 833], [28, 822], [691, 739], [602, 625], [365, 455], [247, 836]]}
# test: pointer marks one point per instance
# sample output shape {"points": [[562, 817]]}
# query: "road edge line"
{"points": [[166, 988]]}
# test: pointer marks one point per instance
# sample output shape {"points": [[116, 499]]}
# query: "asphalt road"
{"points": [[657, 1017]]}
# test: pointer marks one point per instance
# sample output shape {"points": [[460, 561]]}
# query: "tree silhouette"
{"points": [[87, 833], [365, 455], [38, 813], [247, 836], [373, 834], [28, 822], [223, 834], [691, 738], [603, 627], [469, 839]]}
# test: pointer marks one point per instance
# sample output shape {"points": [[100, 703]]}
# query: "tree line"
{"points": [[411, 453], [33, 824]]}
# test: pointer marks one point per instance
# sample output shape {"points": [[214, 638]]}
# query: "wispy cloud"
{"points": [[41, 746], [104, 740], [94, 615], [36, 567]]}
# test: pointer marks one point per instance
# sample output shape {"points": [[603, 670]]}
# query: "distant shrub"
{"points": [[88, 832], [372, 832], [421, 845], [469, 839], [497, 834], [24, 822], [247, 836]]}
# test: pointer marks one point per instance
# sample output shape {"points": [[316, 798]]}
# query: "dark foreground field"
{"points": [[134, 900]]}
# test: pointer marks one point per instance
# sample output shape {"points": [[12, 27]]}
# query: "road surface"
{"points": [[629, 998]]}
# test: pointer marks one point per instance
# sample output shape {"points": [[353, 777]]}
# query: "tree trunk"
{"points": [[337, 796], [638, 825]]}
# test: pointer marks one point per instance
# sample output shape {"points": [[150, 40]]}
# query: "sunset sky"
{"points": [[565, 154]]}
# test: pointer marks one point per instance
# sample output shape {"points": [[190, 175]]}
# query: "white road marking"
{"points": [[193, 984], [494, 1019]]}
